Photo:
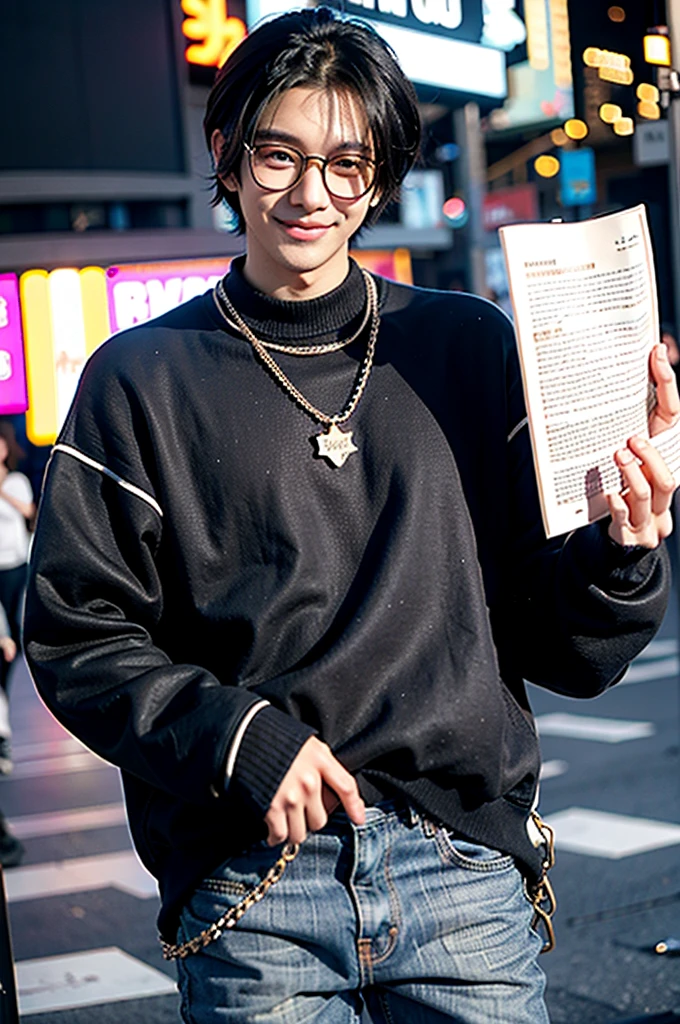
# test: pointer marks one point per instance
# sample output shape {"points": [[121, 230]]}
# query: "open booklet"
{"points": [[584, 299]]}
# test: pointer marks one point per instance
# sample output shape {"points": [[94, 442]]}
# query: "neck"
{"points": [[290, 284]]}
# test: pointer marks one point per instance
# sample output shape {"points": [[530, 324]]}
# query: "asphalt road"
{"points": [[83, 914]]}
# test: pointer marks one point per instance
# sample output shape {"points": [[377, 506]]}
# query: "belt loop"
{"points": [[413, 816]]}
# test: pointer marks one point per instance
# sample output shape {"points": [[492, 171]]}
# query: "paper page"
{"points": [[586, 315]]}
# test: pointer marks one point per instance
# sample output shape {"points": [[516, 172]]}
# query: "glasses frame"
{"points": [[306, 159]]}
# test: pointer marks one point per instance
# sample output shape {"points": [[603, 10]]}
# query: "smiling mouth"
{"points": [[298, 225]]}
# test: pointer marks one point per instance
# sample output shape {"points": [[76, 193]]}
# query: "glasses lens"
{"points": [[279, 167], [275, 167], [349, 176]]}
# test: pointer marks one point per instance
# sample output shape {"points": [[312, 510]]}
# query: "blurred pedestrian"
{"points": [[11, 850], [17, 510], [290, 573]]}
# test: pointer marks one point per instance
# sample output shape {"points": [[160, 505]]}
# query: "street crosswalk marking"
{"points": [[662, 668], [586, 727], [614, 836], [121, 871], [86, 979], [659, 649], [48, 748], [84, 761], [30, 826], [552, 769], [54, 757]]}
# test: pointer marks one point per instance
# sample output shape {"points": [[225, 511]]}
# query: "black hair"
{"points": [[15, 453], [319, 48]]}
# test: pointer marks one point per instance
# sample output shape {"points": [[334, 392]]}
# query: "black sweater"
{"points": [[193, 559]]}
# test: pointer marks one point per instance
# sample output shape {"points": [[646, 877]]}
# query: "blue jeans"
{"points": [[396, 918]]}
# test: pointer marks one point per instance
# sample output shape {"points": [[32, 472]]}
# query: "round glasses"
{"points": [[277, 167]]}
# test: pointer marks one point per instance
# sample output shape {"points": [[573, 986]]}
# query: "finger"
{"points": [[664, 525], [619, 528], [667, 409], [277, 827], [344, 785], [297, 823], [330, 800], [316, 813], [312, 803], [657, 473], [638, 493]]}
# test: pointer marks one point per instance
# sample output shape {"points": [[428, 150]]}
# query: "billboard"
{"points": [[540, 88], [448, 45]]}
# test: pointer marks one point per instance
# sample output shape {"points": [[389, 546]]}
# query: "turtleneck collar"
{"points": [[325, 318]]}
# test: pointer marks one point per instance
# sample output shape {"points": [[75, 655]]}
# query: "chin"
{"points": [[303, 259]]}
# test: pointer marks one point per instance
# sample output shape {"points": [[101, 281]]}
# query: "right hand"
{"points": [[314, 785]]}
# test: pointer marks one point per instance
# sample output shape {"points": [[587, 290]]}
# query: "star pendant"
{"points": [[335, 445]]}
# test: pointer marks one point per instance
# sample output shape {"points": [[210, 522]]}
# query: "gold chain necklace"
{"points": [[333, 444], [222, 301]]}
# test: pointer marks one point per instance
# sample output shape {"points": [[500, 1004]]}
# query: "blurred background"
{"points": [[533, 110]]}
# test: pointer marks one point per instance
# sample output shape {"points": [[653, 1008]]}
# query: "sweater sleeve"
{"points": [[94, 603], [579, 608]]}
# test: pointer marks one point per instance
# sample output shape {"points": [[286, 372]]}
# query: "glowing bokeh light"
{"points": [[650, 111], [624, 126], [575, 129], [647, 92], [546, 166], [610, 112], [657, 49]]}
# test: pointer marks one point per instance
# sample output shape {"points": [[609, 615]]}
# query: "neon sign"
{"points": [[68, 313], [137, 292], [13, 397], [209, 22]]}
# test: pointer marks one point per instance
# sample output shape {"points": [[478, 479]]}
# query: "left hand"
{"points": [[642, 514]]}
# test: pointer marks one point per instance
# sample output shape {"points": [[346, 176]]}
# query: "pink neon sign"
{"points": [[138, 292], [13, 394]]}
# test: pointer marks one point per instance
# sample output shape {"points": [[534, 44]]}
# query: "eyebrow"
{"points": [[276, 135]]}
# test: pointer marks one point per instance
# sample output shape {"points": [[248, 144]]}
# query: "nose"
{"points": [[310, 191]]}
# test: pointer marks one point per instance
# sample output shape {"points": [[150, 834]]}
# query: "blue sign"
{"points": [[578, 186]]}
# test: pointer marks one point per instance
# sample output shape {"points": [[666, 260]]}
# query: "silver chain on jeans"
{"points": [[230, 917]]}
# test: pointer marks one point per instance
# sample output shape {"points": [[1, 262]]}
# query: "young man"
{"points": [[290, 574]]}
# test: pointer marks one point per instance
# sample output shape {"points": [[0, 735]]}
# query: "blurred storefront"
{"points": [[67, 313], [103, 165]]}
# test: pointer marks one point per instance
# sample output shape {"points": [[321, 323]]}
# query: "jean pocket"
{"points": [[234, 879], [463, 853]]}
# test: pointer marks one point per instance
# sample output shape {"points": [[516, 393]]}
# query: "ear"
{"points": [[230, 182], [375, 198], [216, 144]]}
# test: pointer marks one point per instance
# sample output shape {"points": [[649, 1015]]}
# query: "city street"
{"points": [[82, 910]]}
